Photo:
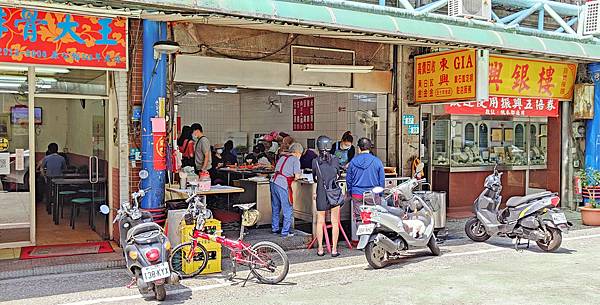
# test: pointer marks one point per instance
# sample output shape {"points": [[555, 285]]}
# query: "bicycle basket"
{"points": [[250, 218]]}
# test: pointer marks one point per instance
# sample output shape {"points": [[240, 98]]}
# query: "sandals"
{"points": [[321, 253], [335, 254]]}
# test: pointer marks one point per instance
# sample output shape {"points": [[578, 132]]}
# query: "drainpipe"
{"points": [[592, 136], [154, 86], [565, 167]]}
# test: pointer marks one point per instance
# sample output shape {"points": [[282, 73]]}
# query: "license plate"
{"points": [[155, 272], [365, 229], [559, 218]]}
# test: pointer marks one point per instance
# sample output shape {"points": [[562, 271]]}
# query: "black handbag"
{"points": [[334, 192]]}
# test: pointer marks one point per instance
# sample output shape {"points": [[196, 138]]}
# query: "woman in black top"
{"points": [[325, 169], [228, 156]]}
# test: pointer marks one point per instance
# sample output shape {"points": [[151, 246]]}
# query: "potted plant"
{"points": [[590, 183]]}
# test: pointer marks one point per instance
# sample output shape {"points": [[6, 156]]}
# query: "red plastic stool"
{"points": [[326, 235]]}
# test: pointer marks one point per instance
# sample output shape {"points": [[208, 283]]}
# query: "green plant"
{"points": [[590, 180]]}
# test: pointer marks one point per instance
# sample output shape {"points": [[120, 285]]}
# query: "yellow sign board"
{"points": [[525, 77], [445, 76]]}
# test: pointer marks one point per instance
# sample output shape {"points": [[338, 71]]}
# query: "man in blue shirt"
{"points": [[365, 172], [53, 164]]}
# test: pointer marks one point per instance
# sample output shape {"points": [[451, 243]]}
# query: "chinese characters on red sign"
{"points": [[304, 114], [32, 36], [510, 106], [445, 76]]}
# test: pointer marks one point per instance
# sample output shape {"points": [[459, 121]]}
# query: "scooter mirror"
{"points": [[104, 209], [377, 190], [143, 174]]}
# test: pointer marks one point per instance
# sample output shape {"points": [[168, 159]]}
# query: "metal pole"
{"points": [[154, 86]]}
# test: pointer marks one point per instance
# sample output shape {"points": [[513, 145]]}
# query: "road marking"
{"points": [[294, 275]]}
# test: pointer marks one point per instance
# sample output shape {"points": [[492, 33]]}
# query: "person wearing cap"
{"points": [[364, 172], [286, 171]]}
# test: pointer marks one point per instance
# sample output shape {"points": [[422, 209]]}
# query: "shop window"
{"points": [[483, 136], [469, 135], [533, 135], [520, 136]]}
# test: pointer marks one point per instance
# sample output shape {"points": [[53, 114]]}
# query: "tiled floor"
{"points": [[47, 233]]}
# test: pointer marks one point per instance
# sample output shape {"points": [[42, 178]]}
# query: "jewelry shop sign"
{"points": [[30, 36]]}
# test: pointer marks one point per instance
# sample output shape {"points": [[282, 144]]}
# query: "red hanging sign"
{"points": [[160, 143], [304, 114], [507, 106], [30, 36]]}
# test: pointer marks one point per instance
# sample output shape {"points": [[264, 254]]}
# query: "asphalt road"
{"points": [[484, 273]]}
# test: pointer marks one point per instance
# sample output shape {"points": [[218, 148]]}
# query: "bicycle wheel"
{"points": [[269, 264], [179, 257]]}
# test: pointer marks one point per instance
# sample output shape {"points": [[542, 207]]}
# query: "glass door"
{"points": [[17, 122]]}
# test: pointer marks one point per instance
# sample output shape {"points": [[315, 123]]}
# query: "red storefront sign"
{"points": [[30, 36], [512, 106], [304, 114]]}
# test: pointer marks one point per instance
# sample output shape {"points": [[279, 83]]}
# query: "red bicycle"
{"points": [[267, 261]]}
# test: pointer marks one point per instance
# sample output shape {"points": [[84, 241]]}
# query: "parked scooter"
{"points": [[523, 217], [395, 221], [145, 246]]}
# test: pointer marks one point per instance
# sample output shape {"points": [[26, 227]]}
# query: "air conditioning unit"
{"points": [[591, 21], [478, 9]]}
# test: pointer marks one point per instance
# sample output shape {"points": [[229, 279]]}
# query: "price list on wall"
{"points": [[304, 114]]}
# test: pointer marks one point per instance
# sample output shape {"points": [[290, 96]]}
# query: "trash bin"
{"points": [[439, 200]]}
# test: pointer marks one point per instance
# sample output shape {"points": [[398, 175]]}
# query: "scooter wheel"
{"points": [[475, 230], [160, 292], [433, 246], [375, 255], [552, 243]]}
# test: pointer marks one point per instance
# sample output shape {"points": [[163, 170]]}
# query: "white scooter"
{"points": [[395, 220]]}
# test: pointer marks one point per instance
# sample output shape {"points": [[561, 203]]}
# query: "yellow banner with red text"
{"points": [[451, 76]]}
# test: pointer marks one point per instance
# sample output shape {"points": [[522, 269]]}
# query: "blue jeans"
{"points": [[280, 201]]}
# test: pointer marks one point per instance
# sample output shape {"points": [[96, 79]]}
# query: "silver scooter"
{"points": [[145, 246], [387, 216], [523, 217]]}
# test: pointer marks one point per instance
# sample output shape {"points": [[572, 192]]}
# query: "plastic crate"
{"points": [[213, 265], [211, 226]]}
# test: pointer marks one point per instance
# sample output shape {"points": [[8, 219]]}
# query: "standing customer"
{"points": [[365, 172], [202, 154], [186, 147], [325, 169], [286, 171], [344, 150]]}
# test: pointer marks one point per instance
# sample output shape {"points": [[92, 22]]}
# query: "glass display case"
{"points": [[464, 143]]}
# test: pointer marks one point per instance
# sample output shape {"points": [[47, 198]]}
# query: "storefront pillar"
{"points": [[154, 87], [592, 137]]}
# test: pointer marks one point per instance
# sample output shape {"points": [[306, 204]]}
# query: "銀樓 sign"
{"points": [[30, 36]]}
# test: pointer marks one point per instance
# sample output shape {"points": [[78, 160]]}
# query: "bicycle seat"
{"points": [[245, 206]]}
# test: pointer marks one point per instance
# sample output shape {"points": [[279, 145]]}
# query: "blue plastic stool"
{"points": [[76, 204]]}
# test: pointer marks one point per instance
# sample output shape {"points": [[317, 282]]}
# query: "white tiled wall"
{"points": [[248, 112], [217, 113]]}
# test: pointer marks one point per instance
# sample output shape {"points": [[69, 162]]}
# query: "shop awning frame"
{"points": [[365, 22]]}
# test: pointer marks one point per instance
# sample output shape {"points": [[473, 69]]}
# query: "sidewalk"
{"points": [[15, 268]]}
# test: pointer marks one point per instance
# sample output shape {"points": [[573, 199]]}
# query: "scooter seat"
{"points": [[517, 200], [395, 211], [142, 233]]}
